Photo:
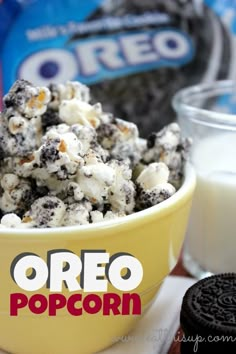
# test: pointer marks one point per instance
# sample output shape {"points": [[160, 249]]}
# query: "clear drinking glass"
{"points": [[207, 113]]}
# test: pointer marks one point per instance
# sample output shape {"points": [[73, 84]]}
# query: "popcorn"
{"points": [[45, 212], [63, 161], [169, 147], [59, 93], [17, 124], [97, 216], [11, 220], [9, 181], [59, 155], [26, 99], [110, 215], [17, 137], [74, 191], [153, 185], [155, 173], [121, 138], [87, 136], [75, 111], [67, 146], [20, 131], [116, 131], [122, 191], [17, 194], [150, 197], [68, 91], [95, 178], [77, 214]]}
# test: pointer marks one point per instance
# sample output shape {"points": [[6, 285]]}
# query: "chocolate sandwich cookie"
{"points": [[208, 315]]}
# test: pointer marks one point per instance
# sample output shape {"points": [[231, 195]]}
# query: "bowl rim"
{"points": [[188, 185]]}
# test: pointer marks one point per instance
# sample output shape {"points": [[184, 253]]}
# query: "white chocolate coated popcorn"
{"points": [[46, 212], [68, 91], [153, 174], [153, 185], [26, 99], [95, 178], [11, 220], [150, 197], [19, 140], [122, 191], [75, 111], [77, 214], [17, 194], [97, 216], [169, 147], [74, 192], [58, 156], [17, 124], [9, 181], [121, 139], [64, 161]]}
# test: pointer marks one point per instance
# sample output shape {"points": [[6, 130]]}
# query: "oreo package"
{"points": [[134, 54]]}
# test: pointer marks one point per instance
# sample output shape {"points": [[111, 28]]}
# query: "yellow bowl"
{"points": [[154, 236]]}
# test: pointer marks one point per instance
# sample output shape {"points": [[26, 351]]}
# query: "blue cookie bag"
{"points": [[134, 54]]}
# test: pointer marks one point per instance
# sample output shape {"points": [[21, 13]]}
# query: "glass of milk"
{"points": [[207, 113]]}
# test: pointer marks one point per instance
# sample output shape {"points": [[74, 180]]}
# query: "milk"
{"points": [[211, 236]]}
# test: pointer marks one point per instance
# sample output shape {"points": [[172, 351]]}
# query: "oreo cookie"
{"points": [[208, 315]]}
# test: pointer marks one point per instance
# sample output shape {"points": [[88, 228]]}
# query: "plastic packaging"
{"points": [[135, 54]]}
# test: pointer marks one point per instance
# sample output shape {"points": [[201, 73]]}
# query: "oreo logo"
{"points": [[107, 57], [41, 68]]}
